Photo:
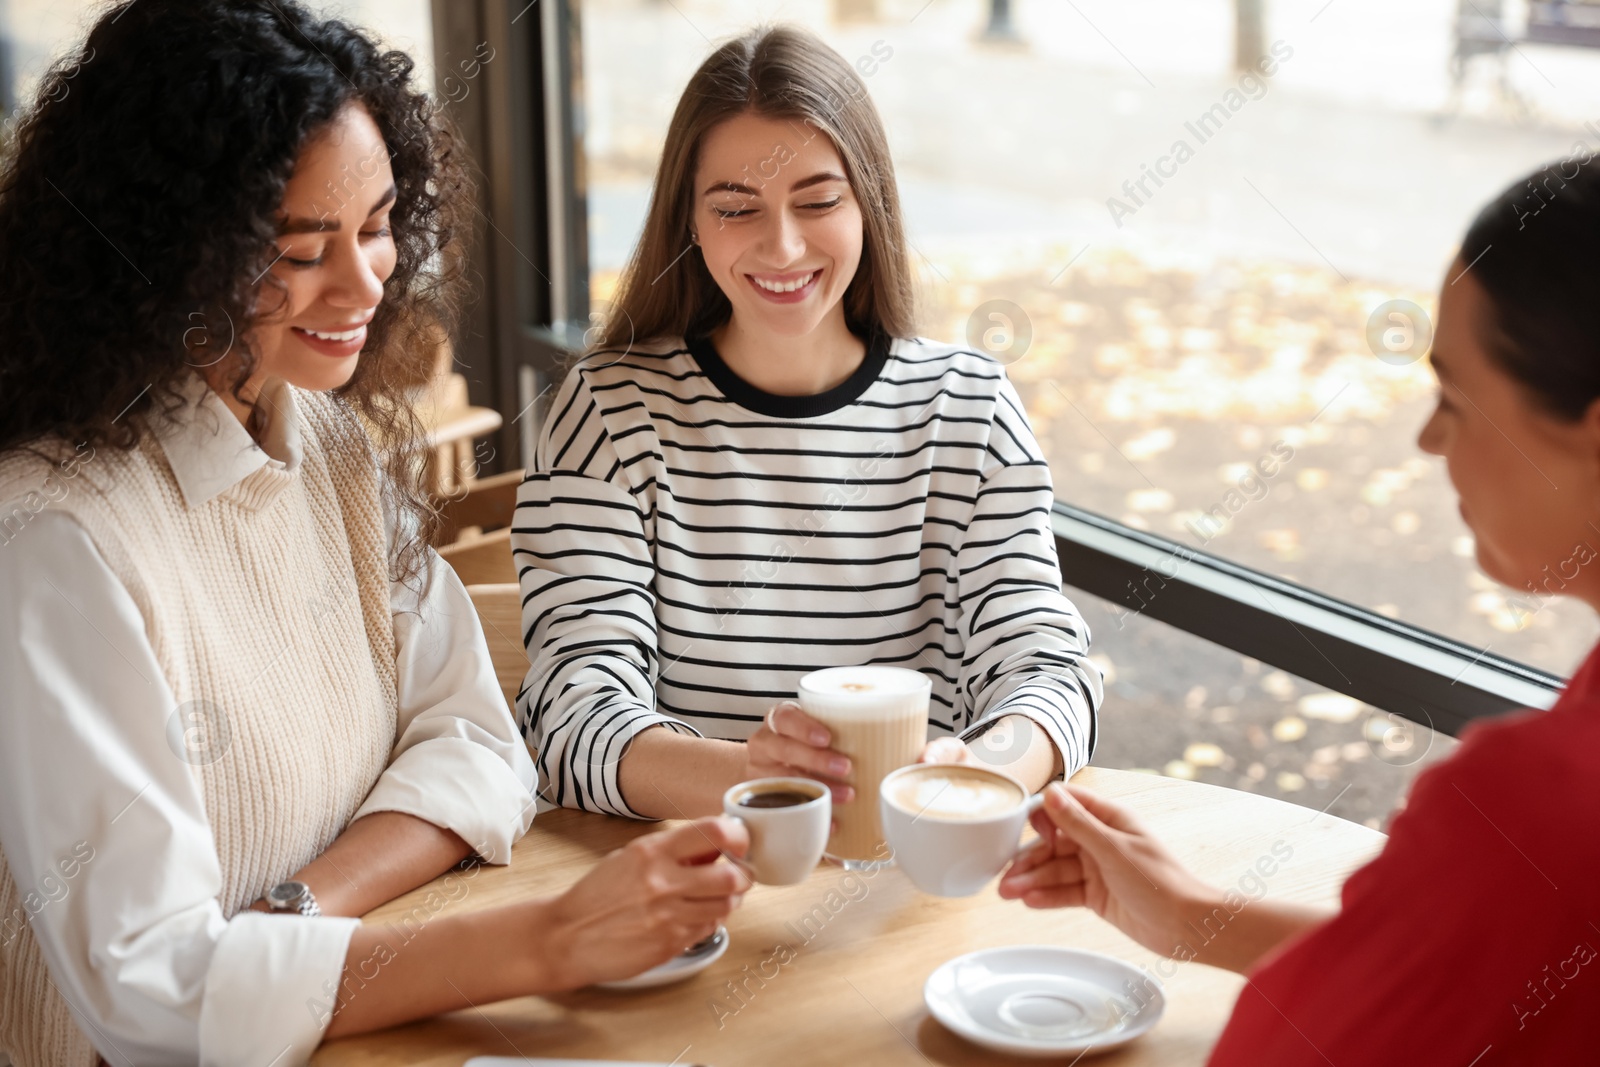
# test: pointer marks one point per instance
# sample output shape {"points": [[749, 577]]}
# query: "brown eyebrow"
{"points": [[803, 183], [325, 225]]}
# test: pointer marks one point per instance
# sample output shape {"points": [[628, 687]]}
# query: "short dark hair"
{"points": [[1535, 252], [138, 204]]}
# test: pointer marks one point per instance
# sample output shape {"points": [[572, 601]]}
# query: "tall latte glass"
{"points": [[878, 716]]}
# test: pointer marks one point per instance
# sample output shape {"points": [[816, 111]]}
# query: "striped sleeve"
{"points": [[580, 542], [1026, 646]]}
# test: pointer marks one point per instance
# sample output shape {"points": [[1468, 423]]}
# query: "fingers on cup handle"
{"points": [[722, 882], [1029, 855], [703, 840], [1041, 821], [1064, 896], [1069, 818]]}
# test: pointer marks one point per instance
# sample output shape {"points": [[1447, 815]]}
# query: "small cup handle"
{"points": [[1035, 802], [739, 861]]}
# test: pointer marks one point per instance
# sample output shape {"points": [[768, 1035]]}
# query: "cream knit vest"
{"points": [[268, 608]]}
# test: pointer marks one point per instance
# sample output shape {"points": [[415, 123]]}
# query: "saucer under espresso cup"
{"points": [[788, 820], [953, 826], [691, 961]]}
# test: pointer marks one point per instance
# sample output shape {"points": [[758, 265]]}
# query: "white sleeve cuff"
{"points": [[271, 989], [461, 786]]}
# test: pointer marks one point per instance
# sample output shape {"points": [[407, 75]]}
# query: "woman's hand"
{"points": [[791, 744], [1093, 853], [646, 902], [947, 750], [1014, 745]]}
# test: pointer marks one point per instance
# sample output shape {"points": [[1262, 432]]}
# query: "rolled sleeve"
{"points": [[462, 786], [460, 763], [271, 988]]}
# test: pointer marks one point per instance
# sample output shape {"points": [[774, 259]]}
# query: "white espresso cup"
{"points": [[787, 819], [953, 826]]}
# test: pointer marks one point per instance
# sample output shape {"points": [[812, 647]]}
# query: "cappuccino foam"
{"points": [[953, 795]]}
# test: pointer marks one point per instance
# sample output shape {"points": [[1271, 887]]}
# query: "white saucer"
{"points": [[677, 968], [1034, 1000]]}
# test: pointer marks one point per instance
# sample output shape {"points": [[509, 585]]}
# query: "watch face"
{"points": [[286, 894]]}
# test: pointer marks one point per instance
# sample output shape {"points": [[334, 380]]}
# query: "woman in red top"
{"points": [[1474, 938]]}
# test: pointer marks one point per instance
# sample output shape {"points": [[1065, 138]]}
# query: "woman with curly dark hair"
{"points": [[242, 704]]}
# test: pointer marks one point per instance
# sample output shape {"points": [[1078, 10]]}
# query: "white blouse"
{"points": [[177, 981]]}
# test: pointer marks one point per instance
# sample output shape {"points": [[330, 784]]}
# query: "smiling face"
{"points": [[778, 224], [1529, 482], [335, 253]]}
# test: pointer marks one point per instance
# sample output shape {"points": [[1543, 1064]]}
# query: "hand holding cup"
{"points": [[1093, 853], [646, 902], [787, 820], [792, 744]]}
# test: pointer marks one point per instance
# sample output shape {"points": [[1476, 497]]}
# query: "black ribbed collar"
{"points": [[762, 402]]}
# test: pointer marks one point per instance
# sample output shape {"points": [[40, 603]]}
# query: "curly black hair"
{"points": [[138, 198]]}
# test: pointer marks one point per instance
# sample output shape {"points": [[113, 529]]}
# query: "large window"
{"points": [[1212, 288]]}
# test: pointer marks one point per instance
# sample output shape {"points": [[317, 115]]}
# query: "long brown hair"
{"points": [[779, 72]]}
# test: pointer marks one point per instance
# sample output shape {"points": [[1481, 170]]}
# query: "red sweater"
{"points": [[1473, 939]]}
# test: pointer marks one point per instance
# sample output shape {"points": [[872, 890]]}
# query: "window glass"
{"points": [[1181, 706], [1194, 274]]}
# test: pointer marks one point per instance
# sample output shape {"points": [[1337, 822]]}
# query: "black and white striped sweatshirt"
{"points": [[689, 546]]}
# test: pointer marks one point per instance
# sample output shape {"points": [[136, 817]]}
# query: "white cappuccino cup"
{"points": [[953, 826]]}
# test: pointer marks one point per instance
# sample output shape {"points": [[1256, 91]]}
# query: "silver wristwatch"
{"points": [[293, 896]]}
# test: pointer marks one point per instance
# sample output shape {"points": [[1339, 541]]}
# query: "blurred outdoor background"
{"points": [[1166, 342]]}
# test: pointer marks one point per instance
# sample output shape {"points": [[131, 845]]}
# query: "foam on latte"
{"points": [[864, 691], [951, 794]]}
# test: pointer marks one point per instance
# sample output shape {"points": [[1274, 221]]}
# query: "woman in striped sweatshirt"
{"points": [[760, 471]]}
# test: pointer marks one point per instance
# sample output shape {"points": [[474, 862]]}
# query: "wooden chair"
{"points": [[451, 434], [482, 505], [449, 421], [482, 560]]}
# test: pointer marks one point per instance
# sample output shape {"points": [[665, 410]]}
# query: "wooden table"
{"points": [[848, 990]]}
